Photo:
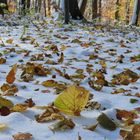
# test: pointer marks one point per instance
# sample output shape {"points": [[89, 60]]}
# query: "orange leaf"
{"points": [[11, 75], [22, 136]]}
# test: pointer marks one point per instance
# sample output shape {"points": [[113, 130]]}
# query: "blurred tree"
{"points": [[3, 6], [117, 16], [136, 12], [100, 8], [23, 7], [94, 8], [28, 4], [71, 7], [82, 6], [74, 10], [45, 11], [66, 11], [127, 11]]}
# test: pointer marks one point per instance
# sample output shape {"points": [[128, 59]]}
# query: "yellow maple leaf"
{"points": [[72, 100]]}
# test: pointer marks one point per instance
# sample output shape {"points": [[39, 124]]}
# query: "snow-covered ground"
{"points": [[78, 43]]}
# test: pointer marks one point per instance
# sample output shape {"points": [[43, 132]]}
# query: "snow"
{"points": [[25, 122]]}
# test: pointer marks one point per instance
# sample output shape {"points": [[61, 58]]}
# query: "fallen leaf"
{"points": [[10, 78], [133, 134], [72, 100], [29, 102], [62, 125], [124, 114], [54, 84], [22, 136], [9, 41], [9, 90], [49, 83], [125, 78], [2, 60], [133, 101], [61, 59], [19, 108], [106, 122], [50, 114], [4, 111], [91, 105], [135, 58], [103, 64], [76, 41], [5, 102], [92, 127]]}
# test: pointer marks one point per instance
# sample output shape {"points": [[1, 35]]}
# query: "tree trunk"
{"points": [[83, 6], [136, 11], [100, 8], [66, 3], [36, 5], [39, 5], [49, 8], [23, 9], [74, 10], [45, 11], [94, 9], [62, 5], [127, 11], [2, 8], [117, 16], [28, 4]]}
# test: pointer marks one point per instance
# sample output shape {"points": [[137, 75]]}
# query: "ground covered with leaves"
{"points": [[74, 82]]}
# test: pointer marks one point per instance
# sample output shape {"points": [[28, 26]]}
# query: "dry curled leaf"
{"points": [[9, 90], [92, 127], [98, 82], [53, 84], [50, 114], [95, 86], [120, 90], [23, 136], [124, 114], [19, 108], [31, 69], [62, 125], [125, 78], [103, 64], [91, 105], [2, 60], [10, 78], [133, 134], [29, 102], [135, 58]]}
